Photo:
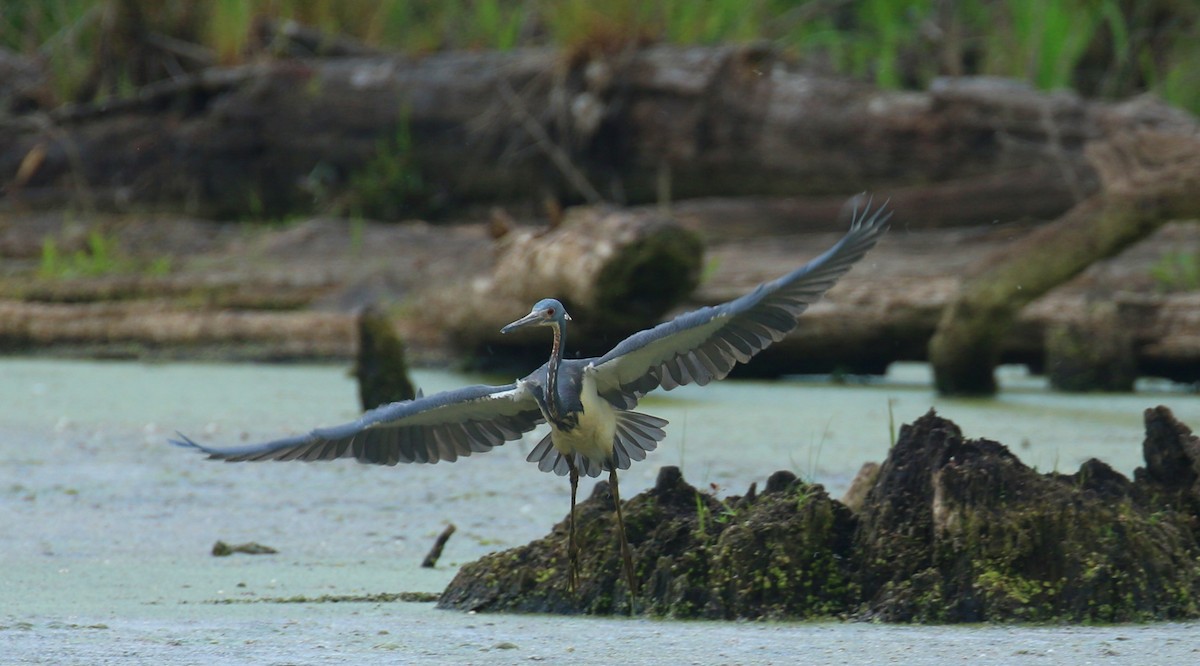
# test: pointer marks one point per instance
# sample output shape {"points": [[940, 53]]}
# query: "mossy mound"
{"points": [[688, 548], [952, 530], [961, 531]]}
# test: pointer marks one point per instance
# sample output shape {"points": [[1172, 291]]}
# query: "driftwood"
{"points": [[222, 549], [614, 271], [435, 551], [140, 328], [662, 123], [291, 293], [1149, 179]]}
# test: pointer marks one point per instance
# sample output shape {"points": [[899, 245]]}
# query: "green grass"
{"points": [[390, 186], [1177, 271], [100, 257], [1110, 48], [1043, 41]]}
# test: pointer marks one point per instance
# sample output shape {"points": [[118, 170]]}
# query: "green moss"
{"points": [[652, 275], [978, 538], [784, 558], [1064, 557]]}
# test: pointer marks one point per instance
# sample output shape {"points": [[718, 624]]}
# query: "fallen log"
{"points": [[144, 328], [1150, 179], [657, 124], [885, 310], [615, 272], [952, 203]]}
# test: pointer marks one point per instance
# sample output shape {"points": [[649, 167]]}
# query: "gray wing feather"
{"points": [[430, 429], [703, 345]]}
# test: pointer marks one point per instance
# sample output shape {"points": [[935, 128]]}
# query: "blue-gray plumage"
{"points": [[586, 402]]}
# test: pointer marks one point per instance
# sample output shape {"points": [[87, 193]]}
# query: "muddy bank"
{"points": [[952, 530]]}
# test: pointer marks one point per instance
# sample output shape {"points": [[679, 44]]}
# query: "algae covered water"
{"points": [[108, 530]]}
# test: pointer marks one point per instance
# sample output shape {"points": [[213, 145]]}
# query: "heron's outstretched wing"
{"points": [[426, 430], [704, 345]]}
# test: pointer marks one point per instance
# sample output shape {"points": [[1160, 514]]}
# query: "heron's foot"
{"points": [[573, 565], [573, 556], [630, 581]]}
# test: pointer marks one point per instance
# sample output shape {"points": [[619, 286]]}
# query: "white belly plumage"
{"points": [[593, 437]]}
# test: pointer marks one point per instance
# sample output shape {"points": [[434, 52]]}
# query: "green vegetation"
{"points": [[1108, 48], [370, 598], [390, 186], [100, 257], [701, 515], [1177, 271], [891, 422]]}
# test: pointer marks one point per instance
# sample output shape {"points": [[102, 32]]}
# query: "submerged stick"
{"points": [[436, 552]]}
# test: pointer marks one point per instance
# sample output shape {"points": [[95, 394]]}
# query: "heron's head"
{"points": [[546, 312]]}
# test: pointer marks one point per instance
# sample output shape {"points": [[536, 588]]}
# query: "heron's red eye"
{"points": [[550, 311]]}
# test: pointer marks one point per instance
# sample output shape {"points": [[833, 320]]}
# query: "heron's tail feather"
{"points": [[636, 434], [546, 457]]}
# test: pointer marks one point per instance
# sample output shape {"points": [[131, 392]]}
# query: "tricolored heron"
{"points": [[587, 402]]}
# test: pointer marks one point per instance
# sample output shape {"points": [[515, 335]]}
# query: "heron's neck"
{"points": [[552, 399]]}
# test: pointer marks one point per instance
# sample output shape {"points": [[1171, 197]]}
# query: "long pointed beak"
{"points": [[531, 318]]}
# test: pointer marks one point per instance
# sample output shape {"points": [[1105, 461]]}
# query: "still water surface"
{"points": [[106, 529]]}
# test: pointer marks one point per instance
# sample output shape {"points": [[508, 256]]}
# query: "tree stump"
{"points": [[381, 367], [1095, 354]]}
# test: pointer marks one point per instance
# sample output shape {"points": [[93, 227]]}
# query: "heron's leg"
{"points": [[626, 555], [572, 547]]}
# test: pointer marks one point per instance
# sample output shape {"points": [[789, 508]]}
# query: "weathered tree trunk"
{"points": [[456, 128], [381, 365], [1149, 179], [615, 272], [139, 327], [1094, 353]]}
